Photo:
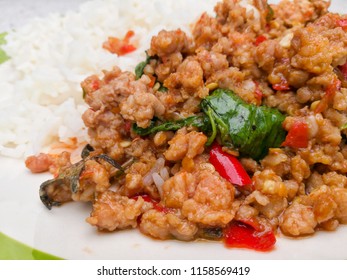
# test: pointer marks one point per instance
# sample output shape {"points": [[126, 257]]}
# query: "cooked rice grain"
{"points": [[41, 99]]}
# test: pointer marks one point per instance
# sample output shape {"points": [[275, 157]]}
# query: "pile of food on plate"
{"points": [[235, 132]]}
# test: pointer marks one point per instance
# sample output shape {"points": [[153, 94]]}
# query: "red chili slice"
{"points": [[120, 46], [229, 167], [342, 23], [260, 39], [153, 80], [283, 85], [155, 203], [126, 49], [127, 126], [241, 235], [95, 85], [297, 136], [328, 96]]}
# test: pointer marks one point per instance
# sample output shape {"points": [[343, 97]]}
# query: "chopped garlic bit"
{"points": [[286, 40]]}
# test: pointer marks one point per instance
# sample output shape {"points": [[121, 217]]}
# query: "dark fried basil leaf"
{"points": [[248, 128]]}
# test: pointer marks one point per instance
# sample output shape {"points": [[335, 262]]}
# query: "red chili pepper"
{"points": [[283, 85], [95, 84], [297, 136], [328, 96], [118, 46], [342, 23], [153, 80], [229, 167], [127, 126], [155, 203], [267, 27], [259, 40], [241, 235], [332, 88], [126, 49]]}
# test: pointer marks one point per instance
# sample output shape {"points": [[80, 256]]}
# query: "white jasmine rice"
{"points": [[40, 96]]}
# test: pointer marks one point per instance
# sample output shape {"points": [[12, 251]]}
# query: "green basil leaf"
{"points": [[141, 66], [250, 129]]}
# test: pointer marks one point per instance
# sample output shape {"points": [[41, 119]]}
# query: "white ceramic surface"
{"points": [[63, 231]]}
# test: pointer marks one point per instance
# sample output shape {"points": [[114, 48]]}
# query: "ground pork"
{"points": [[178, 188], [298, 220], [169, 65], [211, 203], [188, 79], [232, 78], [322, 201], [206, 32], [340, 197], [316, 47], [180, 228], [154, 223], [278, 161], [185, 144], [141, 107], [268, 182], [274, 208], [163, 225], [112, 211], [299, 168], [212, 62], [293, 60], [169, 42], [47, 162], [297, 12]]}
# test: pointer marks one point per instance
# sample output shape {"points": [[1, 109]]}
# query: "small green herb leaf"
{"points": [[155, 126], [270, 13], [141, 66], [162, 88]]}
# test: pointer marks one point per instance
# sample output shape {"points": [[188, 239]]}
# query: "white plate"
{"points": [[63, 231]]}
